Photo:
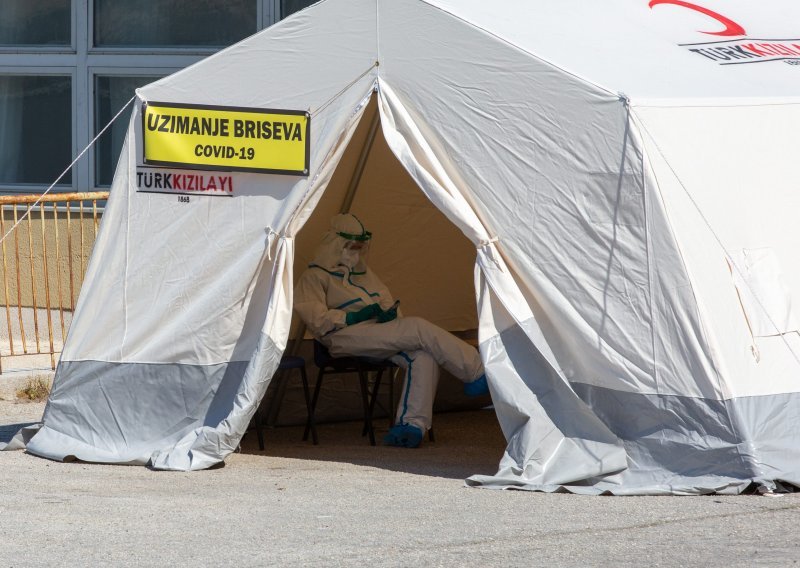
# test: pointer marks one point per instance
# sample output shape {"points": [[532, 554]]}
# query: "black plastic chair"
{"points": [[287, 363], [330, 365]]}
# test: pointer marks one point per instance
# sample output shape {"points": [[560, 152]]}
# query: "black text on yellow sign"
{"points": [[226, 138]]}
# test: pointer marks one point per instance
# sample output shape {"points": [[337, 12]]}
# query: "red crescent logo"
{"points": [[731, 27]]}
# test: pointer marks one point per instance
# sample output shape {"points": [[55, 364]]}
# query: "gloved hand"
{"points": [[364, 314], [387, 315]]}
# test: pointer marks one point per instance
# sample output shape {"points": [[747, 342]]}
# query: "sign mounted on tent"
{"points": [[206, 137]]}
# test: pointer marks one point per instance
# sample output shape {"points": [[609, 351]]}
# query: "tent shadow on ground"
{"points": [[467, 443], [7, 431]]}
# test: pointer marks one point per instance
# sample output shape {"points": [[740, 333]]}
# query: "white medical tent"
{"points": [[614, 185]]}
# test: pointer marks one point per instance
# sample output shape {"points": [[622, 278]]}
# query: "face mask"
{"points": [[349, 258]]}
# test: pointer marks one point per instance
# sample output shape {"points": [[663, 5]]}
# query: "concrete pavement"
{"points": [[344, 503]]}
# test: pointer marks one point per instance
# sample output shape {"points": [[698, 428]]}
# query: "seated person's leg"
{"points": [[459, 358], [419, 389], [383, 340], [415, 408], [368, 339]]}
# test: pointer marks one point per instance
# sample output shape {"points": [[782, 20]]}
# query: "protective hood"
{"points": [[344, 228]]}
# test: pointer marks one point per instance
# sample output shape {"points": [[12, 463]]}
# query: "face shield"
{"points": [[345, 244], [354, 255]]}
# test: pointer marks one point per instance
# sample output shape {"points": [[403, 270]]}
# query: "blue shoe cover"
{"points": [[404, 436], [477, 387]]}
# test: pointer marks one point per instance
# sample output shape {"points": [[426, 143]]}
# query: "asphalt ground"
{"points": [[344, 503]]}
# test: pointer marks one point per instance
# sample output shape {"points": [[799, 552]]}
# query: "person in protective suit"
{"points": [[347, 308]]}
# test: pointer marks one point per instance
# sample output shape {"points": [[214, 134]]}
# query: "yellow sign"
{"points": [[226, 138]]}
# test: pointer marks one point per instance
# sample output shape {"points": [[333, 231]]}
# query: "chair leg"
{"points": [[362, 376], [430, 435], [372, 399], [311, 416], [259, 432], [311, 419], [392, 409], [269, 405]]}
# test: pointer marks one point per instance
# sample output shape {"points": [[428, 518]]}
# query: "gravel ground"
{"points": [[12, 412], [344, 503]]}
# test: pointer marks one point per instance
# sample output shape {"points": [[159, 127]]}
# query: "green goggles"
{"points": [[362, 238]]}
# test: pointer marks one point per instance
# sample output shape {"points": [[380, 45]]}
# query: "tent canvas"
{"points": [[622, 170]]}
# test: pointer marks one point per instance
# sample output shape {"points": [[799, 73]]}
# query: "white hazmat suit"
{"points": [[335, 290]]}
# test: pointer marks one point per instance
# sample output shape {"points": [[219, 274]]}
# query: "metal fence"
{"points": [[43, 263]]}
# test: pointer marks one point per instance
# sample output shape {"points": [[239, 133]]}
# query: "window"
{"points": [[35, 128], [110, 94], [35, 23], [289, 7], [173, 23]]}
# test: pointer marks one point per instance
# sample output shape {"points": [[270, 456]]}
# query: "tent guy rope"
{"points": [[68, 168], [718, 239]]}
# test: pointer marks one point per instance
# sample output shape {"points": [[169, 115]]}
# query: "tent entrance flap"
{"points": [[422, 257], [399, 195], [548, 436], [299, 330]]}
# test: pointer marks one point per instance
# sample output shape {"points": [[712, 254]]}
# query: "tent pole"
{"points": [[355, 180], [280, 389]]}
